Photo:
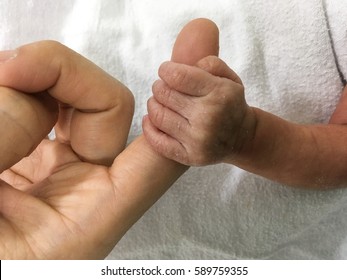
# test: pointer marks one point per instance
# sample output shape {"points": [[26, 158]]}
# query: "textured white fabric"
{"points": [[283, 53], [337, 22]]}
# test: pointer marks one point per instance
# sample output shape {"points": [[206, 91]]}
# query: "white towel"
{"points": [[336, 13], [282, 51]]}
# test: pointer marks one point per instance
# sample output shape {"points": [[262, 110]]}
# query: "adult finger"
{"points": [[102, 106], [141, 176], [199, 38], [191, 45], [25, 120]]}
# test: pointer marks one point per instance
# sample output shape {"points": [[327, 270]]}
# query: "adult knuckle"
{"points": [[124, 102], [223, 93], [51, 44], [48, 47], [128, 97]]}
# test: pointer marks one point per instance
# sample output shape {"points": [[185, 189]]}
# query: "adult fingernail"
{"points": [[7, 55]]}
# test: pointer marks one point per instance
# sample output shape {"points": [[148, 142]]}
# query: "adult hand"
{"points": [[63, 201]]}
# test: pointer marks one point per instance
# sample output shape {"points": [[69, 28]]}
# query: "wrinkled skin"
{"points": [[201, 107], [198, 116]]}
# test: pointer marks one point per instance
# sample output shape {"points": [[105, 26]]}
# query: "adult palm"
{"points": [[60, 207]]}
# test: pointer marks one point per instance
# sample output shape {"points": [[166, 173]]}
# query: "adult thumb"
{"points": [[198, 38]]}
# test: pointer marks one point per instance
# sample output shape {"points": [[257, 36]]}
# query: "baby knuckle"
{"points": [[180, 77], [225, 96], [159, 116], [164, 94], [157, 87], [180, 155], [155, 112], [173, 74], [210, 64], [160, 146], [222, 90], [172, 151]]}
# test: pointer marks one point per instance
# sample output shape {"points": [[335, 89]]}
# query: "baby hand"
{"points": [[197, 114]]}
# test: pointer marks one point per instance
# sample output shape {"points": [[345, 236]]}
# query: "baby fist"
{"points": [[197, 114]]}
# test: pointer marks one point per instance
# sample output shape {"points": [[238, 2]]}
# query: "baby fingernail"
{"points": [[7, 55]]}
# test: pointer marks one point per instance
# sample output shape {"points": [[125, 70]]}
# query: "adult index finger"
{"points": [[102, 106], [24, 121]]}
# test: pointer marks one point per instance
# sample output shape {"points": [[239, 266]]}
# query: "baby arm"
{"points": [[198, 116]]}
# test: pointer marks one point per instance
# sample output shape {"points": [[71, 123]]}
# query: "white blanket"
{"points": [[283, 53]]}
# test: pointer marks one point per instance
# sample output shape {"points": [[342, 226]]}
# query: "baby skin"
{"points": [[198, 116]]}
